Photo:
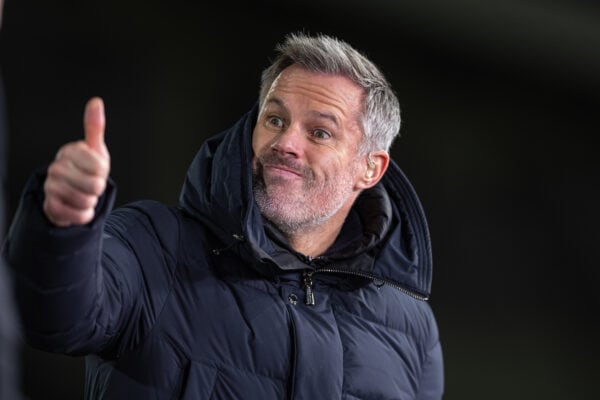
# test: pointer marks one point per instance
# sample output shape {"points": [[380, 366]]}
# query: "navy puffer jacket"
{"points": [[207, 301]]}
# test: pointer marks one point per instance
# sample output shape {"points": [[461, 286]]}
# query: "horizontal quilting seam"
{"points": [[339, 310], [222, 367], [217, 365]]}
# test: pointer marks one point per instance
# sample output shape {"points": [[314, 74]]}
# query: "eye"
{"points": [[275, 121], [321, 134]]}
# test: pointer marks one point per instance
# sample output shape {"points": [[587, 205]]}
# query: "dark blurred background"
{"points": [[500, 105]]}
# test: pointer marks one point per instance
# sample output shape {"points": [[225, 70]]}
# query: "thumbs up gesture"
{"points": [[77, 176]]}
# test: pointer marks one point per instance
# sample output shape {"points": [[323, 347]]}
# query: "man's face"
{"points": [[305, 146]]}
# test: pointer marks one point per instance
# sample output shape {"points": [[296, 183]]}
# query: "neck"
{"points": [[315, 240], [312, 245]]}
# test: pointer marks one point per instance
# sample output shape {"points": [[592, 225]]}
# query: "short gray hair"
{"points": [[325, 54]]}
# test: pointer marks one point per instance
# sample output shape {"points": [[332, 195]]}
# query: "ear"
{"points": [[375, 165]]}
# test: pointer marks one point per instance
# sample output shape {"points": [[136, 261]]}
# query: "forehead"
{"points": [[318, 92]]}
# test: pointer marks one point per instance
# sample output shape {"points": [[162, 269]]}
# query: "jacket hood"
{"points": [[218, 191]]}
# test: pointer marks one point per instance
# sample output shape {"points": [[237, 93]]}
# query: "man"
{"points": [[295, 266]]}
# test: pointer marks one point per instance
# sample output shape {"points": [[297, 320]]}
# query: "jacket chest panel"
{"points": [[382, 332], [234, 336], [377, 359], [228, 325]]}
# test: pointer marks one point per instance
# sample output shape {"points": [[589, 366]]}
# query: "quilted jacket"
{"points": [[206, 300]]}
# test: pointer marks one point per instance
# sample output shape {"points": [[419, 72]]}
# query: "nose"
{"points": [[289, 141]]}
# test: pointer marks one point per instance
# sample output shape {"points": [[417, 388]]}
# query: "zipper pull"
{"points": [[309, 299]]}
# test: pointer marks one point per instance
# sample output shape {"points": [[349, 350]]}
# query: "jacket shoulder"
{"points": [[146, 223]]}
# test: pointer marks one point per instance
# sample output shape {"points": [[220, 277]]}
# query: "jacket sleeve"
{"points": [[82, 289], [431, 385], [432, 378]]}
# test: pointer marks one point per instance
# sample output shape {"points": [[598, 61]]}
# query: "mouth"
{"points": [[282, 170]]}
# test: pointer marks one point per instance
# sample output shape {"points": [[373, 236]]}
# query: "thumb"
{"points": [[94, 123]]}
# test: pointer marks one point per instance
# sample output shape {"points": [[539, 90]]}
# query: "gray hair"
{"points": [[381, 114]]}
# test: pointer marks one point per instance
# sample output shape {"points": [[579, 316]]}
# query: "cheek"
{"points": [[327, 169], [255, 140], [260, 141], [340, 170], [256, 146]]}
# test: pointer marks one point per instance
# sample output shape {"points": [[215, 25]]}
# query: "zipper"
{"points": [[309, 298], [307, 280]]}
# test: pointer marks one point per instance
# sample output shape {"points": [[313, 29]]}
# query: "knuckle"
{"points": [[89, 202], [55, 169], [48, 186], [50, 191], [62, 152], [98, 169], [53, 189], [98, 185], [100, 164], [84, 216], [66, 150], [51, 208], [79, 146], [104, 167]]}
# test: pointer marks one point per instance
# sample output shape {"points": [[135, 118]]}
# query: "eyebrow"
{"points": [[276, 101], [328, 116], [270, 102]]}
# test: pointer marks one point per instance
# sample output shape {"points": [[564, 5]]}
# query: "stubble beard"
{"points": [[292, 212]]}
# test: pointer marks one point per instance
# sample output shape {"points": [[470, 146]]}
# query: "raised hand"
{"points": [[77, 176]]}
